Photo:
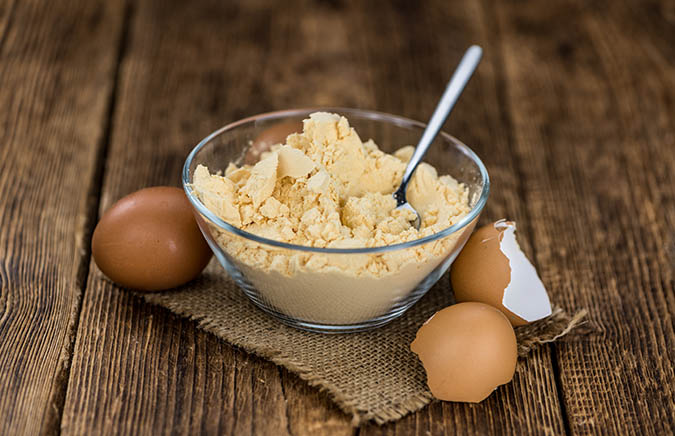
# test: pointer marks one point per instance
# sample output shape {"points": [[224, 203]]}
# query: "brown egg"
{"points": [[467, 350], [276, 134], [149, 240], [492, 269]]}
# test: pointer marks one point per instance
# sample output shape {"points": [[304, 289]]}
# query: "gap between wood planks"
{"points": [[95, 189], [490, 16], [94, 199]]}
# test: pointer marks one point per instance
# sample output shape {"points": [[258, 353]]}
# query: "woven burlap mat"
{"points": [[371, 375]]}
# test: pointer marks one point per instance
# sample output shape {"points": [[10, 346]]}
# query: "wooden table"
{"points": [[572, 110]]}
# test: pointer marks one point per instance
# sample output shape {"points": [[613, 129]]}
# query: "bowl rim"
{"points": [[363, 113]]}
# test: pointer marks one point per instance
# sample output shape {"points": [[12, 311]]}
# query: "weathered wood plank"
{"points": [[189, 69], [592, 108], [423, 50], [173, 91], [57, 62]]}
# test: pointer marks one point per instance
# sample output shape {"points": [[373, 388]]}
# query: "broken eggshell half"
{"points": [[467, 350], [492, 269]]}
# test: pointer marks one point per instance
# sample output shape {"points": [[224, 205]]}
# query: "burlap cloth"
{"points": [[371, 375]]}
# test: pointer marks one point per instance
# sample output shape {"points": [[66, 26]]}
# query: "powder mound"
{"points": [[326, 188]]}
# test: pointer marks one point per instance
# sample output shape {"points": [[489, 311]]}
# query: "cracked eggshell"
{"points": [[492, 269], [467, 351]]}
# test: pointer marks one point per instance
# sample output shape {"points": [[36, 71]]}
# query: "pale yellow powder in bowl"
{"points": [[326, 188]]}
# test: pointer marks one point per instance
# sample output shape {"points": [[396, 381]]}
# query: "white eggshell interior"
{"points": [[525, 294]]}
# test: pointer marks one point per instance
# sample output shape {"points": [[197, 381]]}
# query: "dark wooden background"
{"points": [[572, 110]]}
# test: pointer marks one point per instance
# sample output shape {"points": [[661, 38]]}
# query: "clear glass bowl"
{"points": [[313, 290]]}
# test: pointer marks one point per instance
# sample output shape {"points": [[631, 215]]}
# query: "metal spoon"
{"points": [[452, 92]]}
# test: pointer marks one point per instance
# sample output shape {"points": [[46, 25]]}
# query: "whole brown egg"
{"points": [[149, 240], [467, 350]]}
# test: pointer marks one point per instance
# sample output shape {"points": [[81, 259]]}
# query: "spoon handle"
{"points": [[452, 92]]}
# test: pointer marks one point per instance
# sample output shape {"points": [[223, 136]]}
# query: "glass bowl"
{"points": [[314, 289]]}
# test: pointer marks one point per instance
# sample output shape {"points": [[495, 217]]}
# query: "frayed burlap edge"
{"points": [[550, 329]]}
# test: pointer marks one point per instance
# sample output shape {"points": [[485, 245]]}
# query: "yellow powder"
{"points": [[327, 188]]}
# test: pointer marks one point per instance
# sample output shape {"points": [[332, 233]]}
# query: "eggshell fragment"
{"points": [[467, 350], [149, 240], [492, 269]]}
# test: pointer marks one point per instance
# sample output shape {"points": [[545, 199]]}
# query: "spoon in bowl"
{"points": [[452, 92]]}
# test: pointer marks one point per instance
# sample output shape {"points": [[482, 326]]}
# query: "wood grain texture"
{"points": [[435, 35], [57, 61], [173, 92], [571, 109], [138, 369], [593, 113]]}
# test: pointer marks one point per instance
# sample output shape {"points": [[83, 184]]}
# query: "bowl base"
{"points": [[313, 327]]}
